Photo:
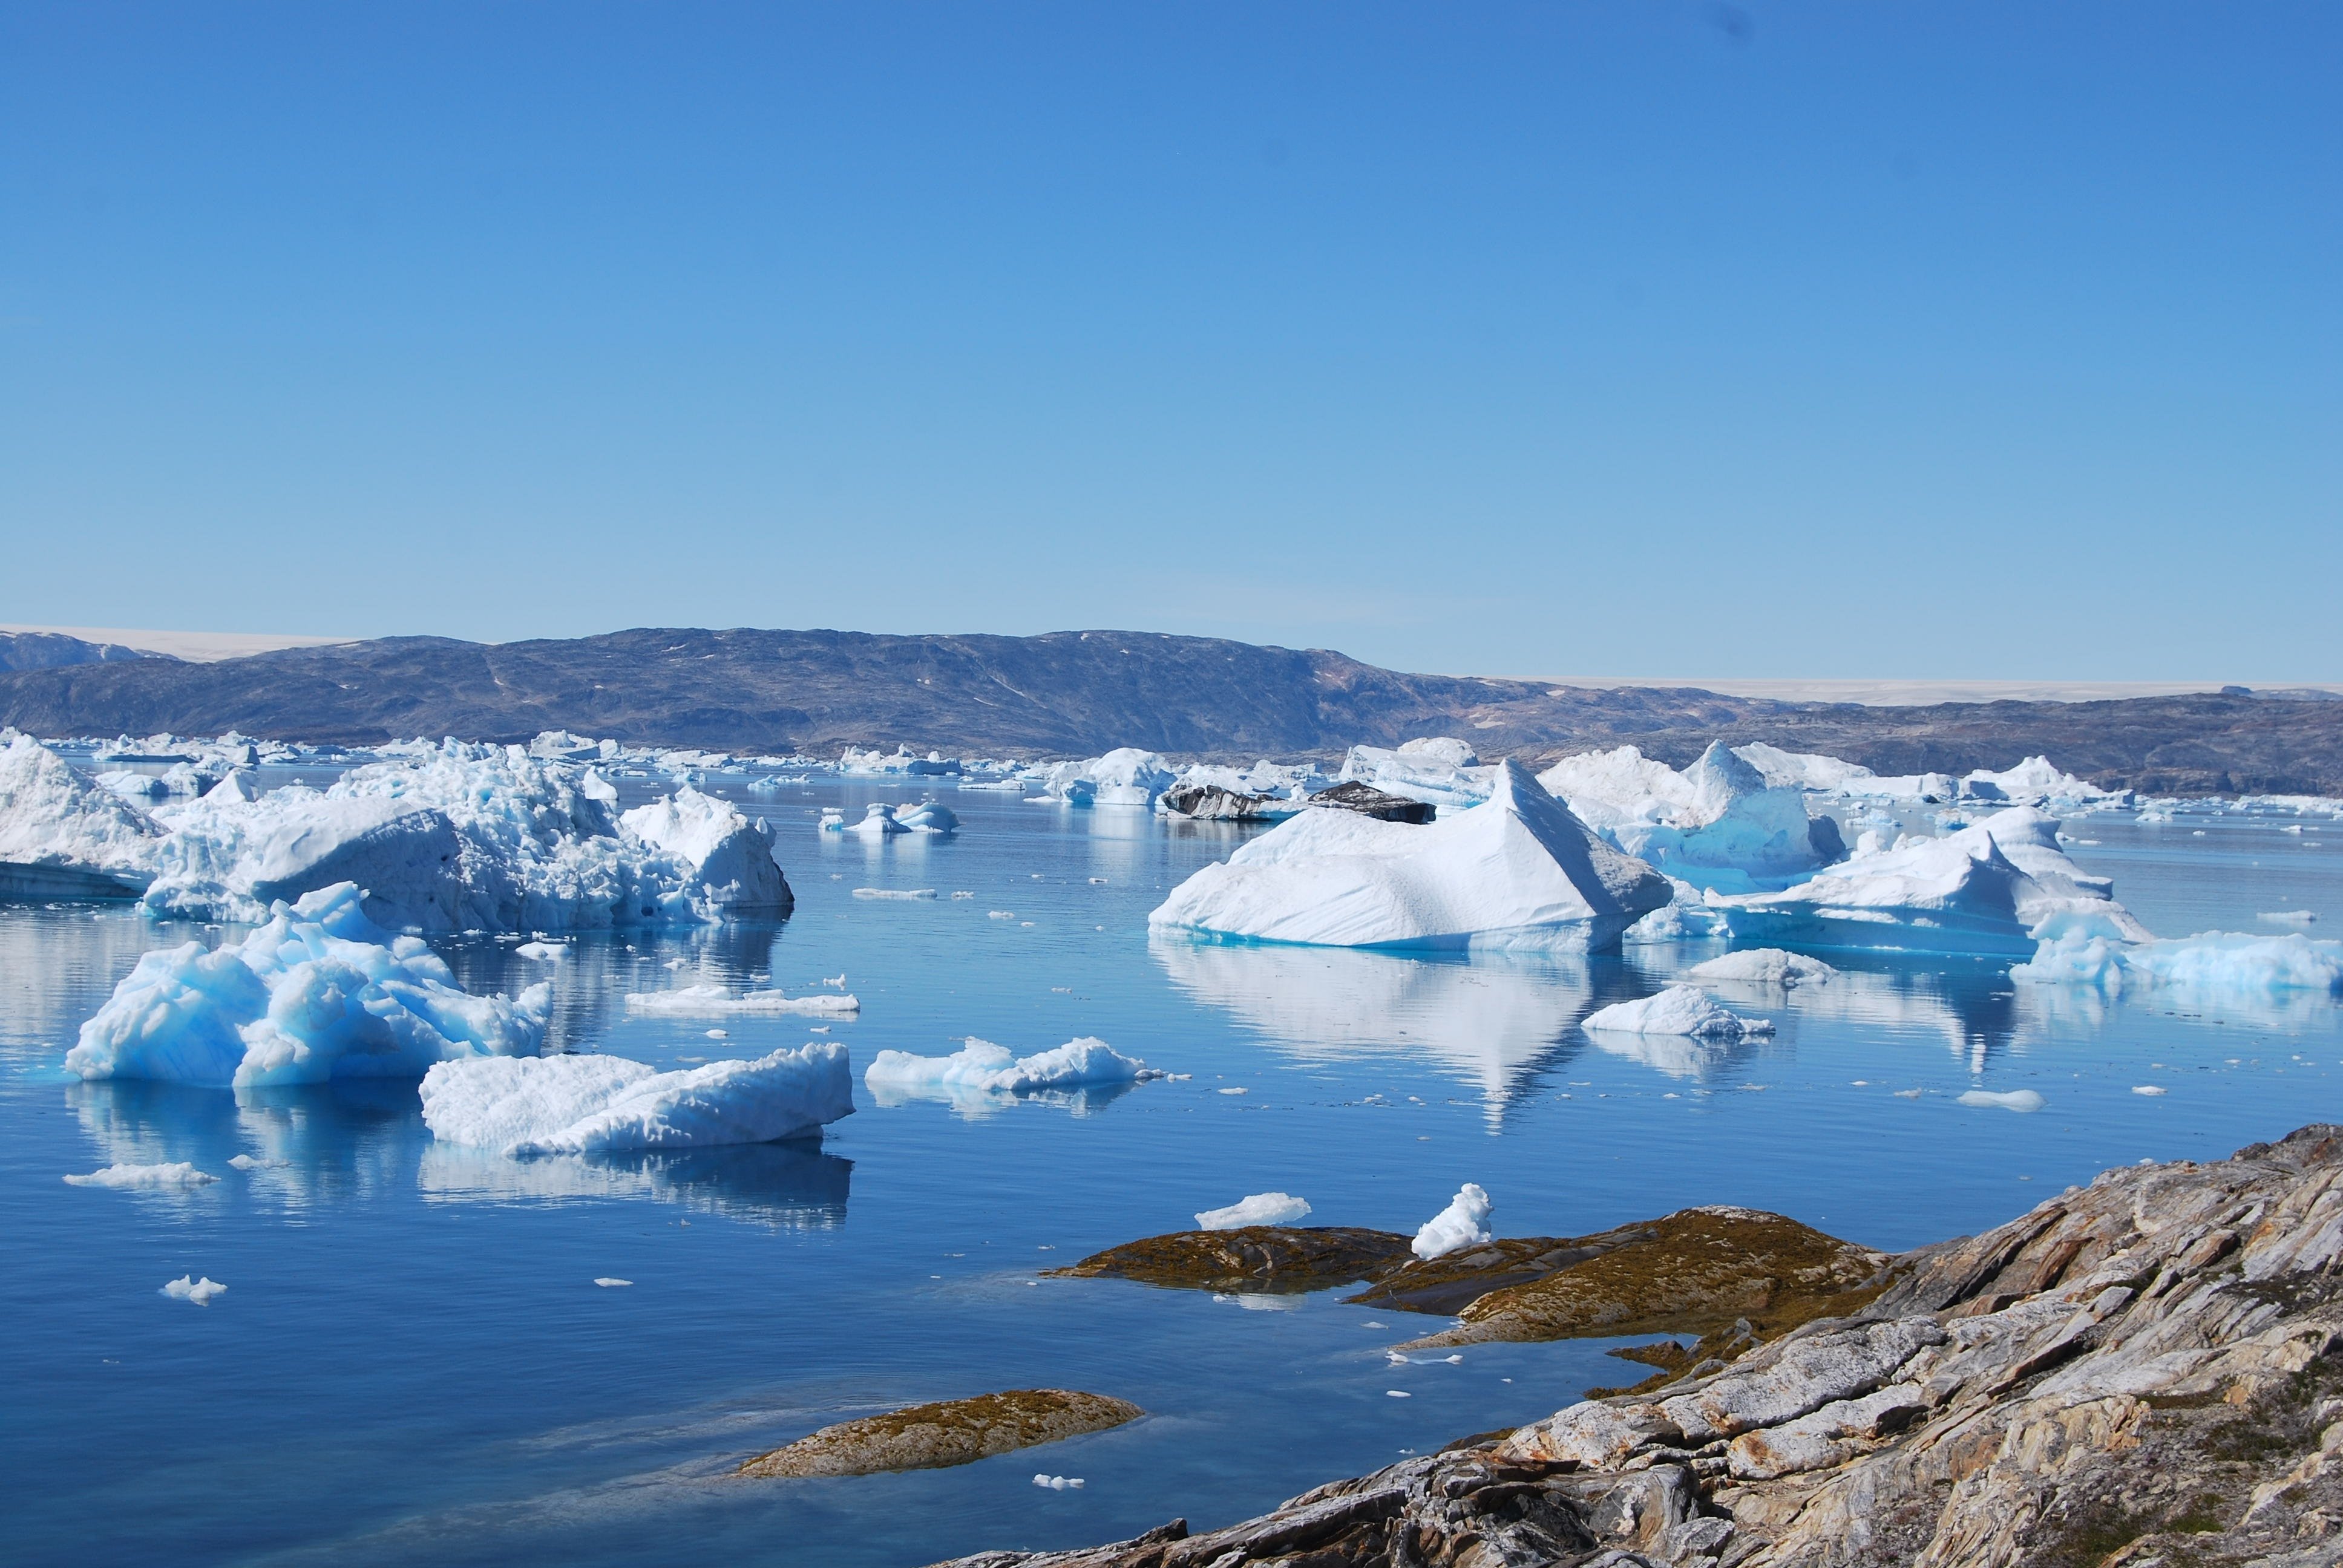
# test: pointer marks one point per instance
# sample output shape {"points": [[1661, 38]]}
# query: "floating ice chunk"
{"points": [[897, 893], [1764, 966], [1995, 888], [609, 1282], [318, 992], [1518, 871], [928, 817], [2290, 917], [61, 837], [255, 1163], [546, 951], [181, 1174], [715, 1001], [2213, 963], [2019, 1099], [877, 822], [726, 859], [200, 1291], [1397, 1393], [1680, 1010], [577, 1104], [1260, 1209], [1058, 1482], [982, 1070], [1463, 1223], [2148, 1088]]}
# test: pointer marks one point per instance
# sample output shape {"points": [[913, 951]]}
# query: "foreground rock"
{"points": [[1266, 1259], [2140, 1371], [950, 1431]]}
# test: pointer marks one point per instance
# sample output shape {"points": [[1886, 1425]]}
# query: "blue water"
{"points": [[412, 1362]]}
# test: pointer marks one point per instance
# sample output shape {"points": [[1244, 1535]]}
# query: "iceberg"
{"points": [[2035, 782], [928, 817], [318, 992], [874, 762], [1808, 770], [188, 1289], [1126, 776], [62, 837], [2021, 1100], [1995, 888], [1463, 1223], [1679, 1010], [714, 1001], [178, 1174], [1721, 815], [1260, 1209], [980, 1070], [729, 858], [1438, 770], [1518, 871], [1764, 966], [877, 822], [2212, 962], [526, 1107]]}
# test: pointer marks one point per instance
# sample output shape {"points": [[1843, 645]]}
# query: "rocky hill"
{"points": [[54, 651], [1082, 693]]}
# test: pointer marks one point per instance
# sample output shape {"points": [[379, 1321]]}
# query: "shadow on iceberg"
{"points": [[791, 1185]]}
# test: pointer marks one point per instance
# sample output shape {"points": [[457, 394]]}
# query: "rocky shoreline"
{"points": [[2140, 1371]]}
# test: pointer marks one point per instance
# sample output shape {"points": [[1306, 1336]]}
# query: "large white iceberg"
{"points": [[1804, 770], [2219, 962], [730, 858], [1997, 887], [1518, 871], [980, 1070], [61, 837], [1126, 776], [318, 992], [588, 1104], [1721, 815], [1679, 1010]]}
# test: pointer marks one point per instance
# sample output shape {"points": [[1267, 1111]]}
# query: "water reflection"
{"points": [[309, 1145], [791, 1186], [1969, 1004], [974, 1103]]}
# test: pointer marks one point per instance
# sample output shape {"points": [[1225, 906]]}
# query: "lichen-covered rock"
{"points": [[1266, 1259], [2147, 1371], [950, 1431]]}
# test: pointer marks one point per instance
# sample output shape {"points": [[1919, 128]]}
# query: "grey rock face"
{"points": [[2144, 1371]]}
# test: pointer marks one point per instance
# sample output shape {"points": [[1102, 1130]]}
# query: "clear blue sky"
{"points": [[1860, 339]]}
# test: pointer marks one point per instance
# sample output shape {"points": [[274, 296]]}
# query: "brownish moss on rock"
{"points": [[1449, 1284], [1714, 1272], [1267, 1258], [950, 1431]]}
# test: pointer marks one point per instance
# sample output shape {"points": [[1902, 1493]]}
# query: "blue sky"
{"points": [[1861, 340]]}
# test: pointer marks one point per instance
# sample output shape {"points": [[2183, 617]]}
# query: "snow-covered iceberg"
{"points": [[1679, 1010], [318, 992], [1517, 870], [1997, 887], [1719, 822], [588, 1104], [62, 837], [1440, 770], [981, 1070], [728, 857]]}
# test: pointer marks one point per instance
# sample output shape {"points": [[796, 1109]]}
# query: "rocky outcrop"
{"points": [[1367, 801], [2140, 1371], [1263, 1258], [950, 1431]]}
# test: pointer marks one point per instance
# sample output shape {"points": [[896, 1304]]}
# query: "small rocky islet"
{"points": [[2135, 1373]]}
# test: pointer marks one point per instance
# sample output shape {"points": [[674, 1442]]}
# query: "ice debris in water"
{"points": [[2213, 962], [980, 1070], [1057, 1483], [1764, 966], [255, 1163], [188, 1289], [1680, 1010], [611, 1282], [2290, 917], [1518, 871], [318, 992], [894, 893], [546, 951], [2021, 1099], [1463, 1223], [715, 1001], [577, 1104], [181, 1174], [2148, 1088], [1260, 1209]]}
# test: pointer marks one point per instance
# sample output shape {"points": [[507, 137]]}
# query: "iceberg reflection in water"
{"points": [[787, 1186]]}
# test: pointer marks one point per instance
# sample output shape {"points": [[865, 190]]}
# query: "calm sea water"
{"points": [[412, 1362]]}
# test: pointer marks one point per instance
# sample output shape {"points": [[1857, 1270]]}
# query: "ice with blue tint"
{"points": [[1718, 823], [318, 992], [981, 1072], [1678, 1010], [2209, 961]]}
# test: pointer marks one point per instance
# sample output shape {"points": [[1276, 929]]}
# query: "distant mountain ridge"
{"points": [[55, 650], [1080, 692]]}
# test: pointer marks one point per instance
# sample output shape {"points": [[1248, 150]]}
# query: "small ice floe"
{"points": [[129, 1178], [530, 1106], [1909, 1093], [1260, 1209], [877, 822], [2290, 917], [897, 893], [2020, 1100], [251, 1162], [1681, 1010], [200, 1291], [1098, 881], [548, 952], [1463, 1223], [1235, 1092], [928, 817], [719, 1034], [2148, 1088], [1764, 966], [960, 893], [1000, 914], [1058, 1482], [1397, 1393], [835, 982], [982, 1070], [610, 1283], [703, 1001]]}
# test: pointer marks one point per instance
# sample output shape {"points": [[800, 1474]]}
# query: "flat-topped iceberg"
{"points": [[1719, 822], [1997, 887], [982, 1070], [62, 837], [318, 992], [1518, 871], [589, 1104], [1679, 1010]]}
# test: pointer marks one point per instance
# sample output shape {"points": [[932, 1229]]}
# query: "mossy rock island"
{"points": [[947, 1433]]}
